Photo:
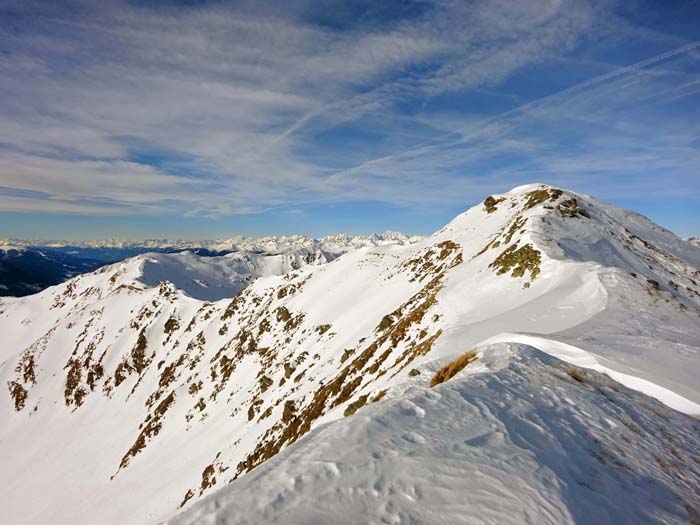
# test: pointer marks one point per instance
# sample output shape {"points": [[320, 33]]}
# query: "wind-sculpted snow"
{"points": [[124, 378], [517, 437]]}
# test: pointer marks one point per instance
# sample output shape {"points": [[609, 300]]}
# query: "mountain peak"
{"points": [[148, 370]]}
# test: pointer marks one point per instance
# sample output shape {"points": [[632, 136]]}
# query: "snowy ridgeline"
{"points": [[515, 439], [307, 397]]}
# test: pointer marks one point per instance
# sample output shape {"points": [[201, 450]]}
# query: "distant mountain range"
{"points": [[27, 267], [337, 243]]}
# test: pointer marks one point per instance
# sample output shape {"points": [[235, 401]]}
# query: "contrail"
{"points": [[431, 144]]}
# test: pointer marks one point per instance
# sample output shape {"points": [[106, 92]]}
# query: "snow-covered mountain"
{"points": [[335, 244], [214, 278], [26, 271], [27, 267], [534, 361]]}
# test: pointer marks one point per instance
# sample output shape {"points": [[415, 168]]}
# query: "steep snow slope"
{"points": [[514, 439], [113, 384], [214, 278]]}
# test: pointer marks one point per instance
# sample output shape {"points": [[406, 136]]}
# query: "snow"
{"points": [[581, 358], [215, 278], [513, 438], [500, 444]]}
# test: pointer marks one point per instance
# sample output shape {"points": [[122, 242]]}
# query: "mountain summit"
{"points": [[540, 350]]}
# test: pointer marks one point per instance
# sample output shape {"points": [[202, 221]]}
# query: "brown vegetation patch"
{"points": [[448, 371], [26, 367], [188, 496], [283, 314], [289, 411], [653, 287], [434, 260], [195, 387], [516, 225], [570, 208], [385, 323], [94, 374], [323, 328], [536, 197], [18, 394], [355, 405], [171, 325], [346, 354], [73, 393], [491, 204], [379, 396], [577, 375], [151, 429], [290, 289], [518, 261], [254, 408], [138, 354], [265, 383], [233, 307]]}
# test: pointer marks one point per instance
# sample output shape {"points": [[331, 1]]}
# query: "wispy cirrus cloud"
{"points": [[627, 133], [214, 109]]}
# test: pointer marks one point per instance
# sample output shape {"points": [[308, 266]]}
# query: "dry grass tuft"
{"points": [[577, 375], [447, 372], [355, 406]]}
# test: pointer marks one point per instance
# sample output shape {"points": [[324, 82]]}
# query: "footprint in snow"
{"points": [[487, 438], [332, 469], [411, 409], [413, 437]]}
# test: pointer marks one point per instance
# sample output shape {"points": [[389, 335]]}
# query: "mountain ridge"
{"points": [[289, 353]]}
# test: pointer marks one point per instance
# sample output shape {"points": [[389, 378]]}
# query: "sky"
{"points": [[153, 119]]}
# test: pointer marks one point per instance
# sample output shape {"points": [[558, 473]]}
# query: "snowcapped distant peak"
{"points": [[270, 243]]}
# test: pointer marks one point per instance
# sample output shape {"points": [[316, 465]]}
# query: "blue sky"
{"points": [[206, 119]]}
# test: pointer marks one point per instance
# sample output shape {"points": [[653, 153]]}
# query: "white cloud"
{"points": [[210, 110]]}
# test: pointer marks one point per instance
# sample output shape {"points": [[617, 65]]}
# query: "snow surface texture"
{"points": [[115, 385], [515, 439]]}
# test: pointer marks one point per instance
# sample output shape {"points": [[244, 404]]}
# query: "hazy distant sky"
{"points": [[204, 119]]}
